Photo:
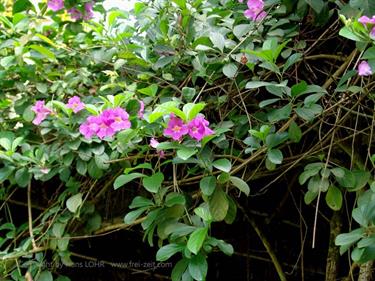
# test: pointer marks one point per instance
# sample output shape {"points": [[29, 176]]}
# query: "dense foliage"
{"points": [[173, 110]]}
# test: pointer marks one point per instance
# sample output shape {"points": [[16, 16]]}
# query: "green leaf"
{"points": [[264, 103], [367, 6], [203, 212], [124, 179], [196, 239], [58, 229], [241, 185], [188, 93], [5, 172], [63, 243], [28, 115], [180, 3], [44, 51], [140, 201], [292, 60], [279, 114], [150, 90], [133, 215], [258, 84], [241, 30], [308, 173], [310, 196], [191, 110], [217, 40], [275, 156], [93, 170], [294, 132], [222, 165], [174, 198], [207, 185], [81, 167], [198, 267], [338, 172], [160, 63], [179, 269], [153, 183], [334, 198], [232, 211], [47, 40], [74, 202], [230, 70], [21, 5], [22, 177], [349, 238], [45, 276], [226, 248], [186, 152], [165, 252], [347, 33], [317, 5], [218, 205]]}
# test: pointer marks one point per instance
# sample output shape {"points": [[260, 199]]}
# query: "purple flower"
{"points": [[89, 14], [141, 109], [198, 128], [255, 10], [364, 69], [55, 5], [75, 104], [90, 127], [41, 112], [75, 13], [366, 20], [176, 128]]}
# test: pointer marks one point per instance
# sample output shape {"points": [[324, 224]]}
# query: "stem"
{"points": [[266, 245], [30, 217]]}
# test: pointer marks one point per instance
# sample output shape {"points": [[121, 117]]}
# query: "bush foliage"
{"points": [[185, 108]]}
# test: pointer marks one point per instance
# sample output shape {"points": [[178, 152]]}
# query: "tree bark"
{"points": [[365, 271], [333, 251]]}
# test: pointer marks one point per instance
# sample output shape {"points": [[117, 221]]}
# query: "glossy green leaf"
{"points": [[153, 183], [196, 239]]}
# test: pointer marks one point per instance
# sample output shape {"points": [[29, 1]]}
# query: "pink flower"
{"points": [[141, 109], [75, 104], [198, 128], [41, 112], [55, 5], [364, 69], [118, 118], [255, 11], [90, 127], [372, 33], [105, 129], [366, 20], [89, 14], [75, 13], [106, 124], [176, 128], [154, 143]]}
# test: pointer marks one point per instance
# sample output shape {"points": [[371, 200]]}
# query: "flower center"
{"points": [[176, 129]]}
